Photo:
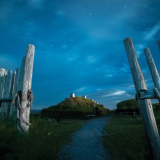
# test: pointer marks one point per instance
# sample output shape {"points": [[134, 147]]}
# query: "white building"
{"points": [[72, 95]]}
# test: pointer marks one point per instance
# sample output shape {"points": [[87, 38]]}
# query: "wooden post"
{"points": [[16, 82], [146, 110], [6, 105], [2, 75], [152, 67], [12, 84], [13, 91], [2, 80], [26, 85], [20, 81]]}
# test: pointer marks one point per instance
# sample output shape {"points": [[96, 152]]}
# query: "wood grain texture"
{"points": [[26, 85], [152, 67], [6, 105], [146, 110]]}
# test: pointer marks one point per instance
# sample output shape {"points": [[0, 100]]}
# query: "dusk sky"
{"points": [[79, 46]]}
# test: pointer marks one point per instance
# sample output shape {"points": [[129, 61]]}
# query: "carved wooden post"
{"points": [[149, 123], [26, 85]]}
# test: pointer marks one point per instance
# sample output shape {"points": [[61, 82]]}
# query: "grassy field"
{"points": [[43, 143], [125, 139]]}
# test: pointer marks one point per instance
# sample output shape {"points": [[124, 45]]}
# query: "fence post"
{"points": [[26, 85], [152, 67], [6, 105], [16, 82], [12, 84], [12, 113], [2, 75], [145, 105]]}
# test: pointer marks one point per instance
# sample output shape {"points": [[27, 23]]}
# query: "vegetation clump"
{"points": [[75, 107], [130, 105]]}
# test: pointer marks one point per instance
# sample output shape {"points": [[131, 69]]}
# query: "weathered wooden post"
{"points": [[16, 82], [2, 75], [152, 67], [12, 84], [13, 91], [6, 105], [146, 110], [20, 80], [25, 86], [2, 80]]}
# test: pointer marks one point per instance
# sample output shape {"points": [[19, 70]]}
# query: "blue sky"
{"points": [[79, 46]]}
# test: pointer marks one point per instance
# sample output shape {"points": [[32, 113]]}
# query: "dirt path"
{"points": [[87, 143]]}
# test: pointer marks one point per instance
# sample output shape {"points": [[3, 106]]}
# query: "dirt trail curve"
{"points": [[87, 143]]}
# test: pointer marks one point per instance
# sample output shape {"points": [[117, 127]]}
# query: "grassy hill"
{"points": [[75, 107], [131, 105]]}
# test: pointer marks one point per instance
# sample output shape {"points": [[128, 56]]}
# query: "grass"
{"points": [[124, 137], [43, 143]]}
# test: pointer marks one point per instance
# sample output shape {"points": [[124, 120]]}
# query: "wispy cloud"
{"points": [[117, 93], [81, 89], [150, 33], [147, 35]]}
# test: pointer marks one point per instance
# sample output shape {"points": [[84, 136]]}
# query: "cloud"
{"points": [[81, 89], [91, 59], [150, 33], [147, 36], [117, 93]]}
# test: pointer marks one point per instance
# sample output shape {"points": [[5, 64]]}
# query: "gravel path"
{"points": [[87, 143]]}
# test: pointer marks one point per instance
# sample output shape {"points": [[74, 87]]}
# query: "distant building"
{"points": [[84, 97], [96, 102], [72, 95], [92, 100]]}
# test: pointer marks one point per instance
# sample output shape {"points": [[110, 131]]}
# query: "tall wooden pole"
{"points": [[20, 80], [2, 81], [146, 110], [6, 105], [12, 93], [12, 113], [16, 82], [12, 84], [152, 67], [26, 85]]}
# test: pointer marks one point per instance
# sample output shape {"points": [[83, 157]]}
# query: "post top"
{"points": [[147, 49], [2, 69], [127, 39], [31, 45]]}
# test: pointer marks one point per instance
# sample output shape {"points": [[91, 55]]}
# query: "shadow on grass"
{"points": [[124, 138], [43, 143]]}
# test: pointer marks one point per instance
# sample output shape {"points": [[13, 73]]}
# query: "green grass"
{"points": [[43, 143], [124, 137]]}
